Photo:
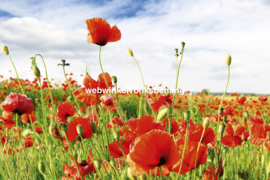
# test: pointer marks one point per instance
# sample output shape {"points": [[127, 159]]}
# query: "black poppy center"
{"points": [[83, 162], [67, 115], [161, 161]]}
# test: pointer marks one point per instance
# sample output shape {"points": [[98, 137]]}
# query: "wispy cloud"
{"points": [[152, 29]]}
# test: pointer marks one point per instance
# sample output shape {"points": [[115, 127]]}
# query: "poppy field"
{"points": [[96, 131]]}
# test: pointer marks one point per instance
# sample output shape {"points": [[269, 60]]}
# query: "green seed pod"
{"points": [[79, 129], [221, 128], [206, 122], [36, 71], [212, 154], [4, 49], [41, 167], [116, 135], [97, 164], [228, 60], [162, 114], [114, 79], [183, 44], [187, 115], [129, 51]]}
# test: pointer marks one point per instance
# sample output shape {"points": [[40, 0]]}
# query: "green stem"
{"points": [[16, 75], [140, 71], [198, 152]]}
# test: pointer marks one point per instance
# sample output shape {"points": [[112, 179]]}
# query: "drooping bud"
{"points": [[183, 44], [187, 115], [64, 126], [114, 79], [41, 167], [129, 51], [224, 118], [36, 71], [116, 135], [228, 60], [93, 127], [163, 113], [5, 50], [206, 122], [79, 129], [221, 128]]}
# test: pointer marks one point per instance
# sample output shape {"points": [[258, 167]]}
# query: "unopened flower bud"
{"points": [[97, 164], [225, 150], [221, 128], [224, 118], [129, 51], [163, 113], [64, 126], [228, 60], [93, 127], [114, 79], [206, 122], [146, 108], [5, 50], [116, 135], [112, 162], [246, 114], [79, 129], [176, 51], [36, 71], [41, 167], [211, 153], [187, 115]]}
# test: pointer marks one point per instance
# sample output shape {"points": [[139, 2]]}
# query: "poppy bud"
{"points": [[5, 50], [187, 115], [225, 150], [129, 51], [26, 133], [112, 162], [116, 135], [246, 114], [93, 127], [163, 113], [224, 118], [146, 108], [36, 71], [221, 128], [211, 153], [130, 175], [79, 129], [114, 79], [206, 122], [176, 51], [97, 164], [41, 167], [228, 60], [183, 45]]}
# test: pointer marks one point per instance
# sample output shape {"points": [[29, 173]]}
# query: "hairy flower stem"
{"points": [[198, 152], [174, 95], [17, 75], [78, 107], [219, 109], [183, 155], [140, 71], [118, 105]]}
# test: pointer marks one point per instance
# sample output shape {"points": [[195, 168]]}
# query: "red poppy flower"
{"points": [[26, 118], [242, 100], [151, 151], [115, 122], [233, 138], [38, 129], [89, 93], [85, 167], [156, 104], [72, 131], [6, 116], [174, 125], [17, 103], [208, 174], [9, 124], [115, 150], [107, 102], [65, 110], [263, 98], [100, 32], [28, 141]]}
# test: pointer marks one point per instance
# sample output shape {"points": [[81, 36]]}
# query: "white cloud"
{"points": [[211, 30]]}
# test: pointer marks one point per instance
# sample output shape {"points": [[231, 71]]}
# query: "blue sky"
{"points": [[152, 29]]}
